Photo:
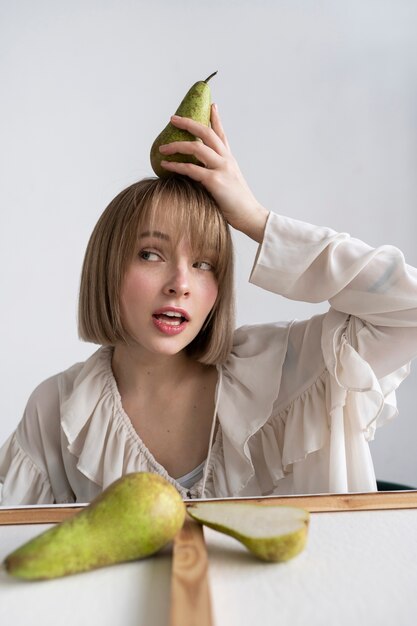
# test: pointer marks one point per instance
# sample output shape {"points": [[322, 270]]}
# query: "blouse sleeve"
{"points": [[22, 482], [31, 465], [373, 285], [343, 365]]}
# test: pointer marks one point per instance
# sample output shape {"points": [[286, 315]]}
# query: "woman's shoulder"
{"points": [[51, 386], [254, 337], [51, 392], [93, 368], [256, 349]]}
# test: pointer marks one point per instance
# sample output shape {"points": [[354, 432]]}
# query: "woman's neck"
{"points": [[137, 371]]}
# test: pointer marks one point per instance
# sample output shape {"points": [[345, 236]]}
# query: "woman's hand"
{"points": [[220, 173]]}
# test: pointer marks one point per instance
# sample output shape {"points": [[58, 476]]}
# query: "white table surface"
{"points": [[359, 568]]}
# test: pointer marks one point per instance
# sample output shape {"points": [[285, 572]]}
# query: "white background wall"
{"points": [[319, 102]]}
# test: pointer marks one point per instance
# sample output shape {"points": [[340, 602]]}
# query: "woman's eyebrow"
{"points": [[154, 233]]}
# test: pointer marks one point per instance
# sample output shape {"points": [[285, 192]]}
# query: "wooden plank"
{"points": [[37, 515], [315, 503], [381, 500], [190, 595]]}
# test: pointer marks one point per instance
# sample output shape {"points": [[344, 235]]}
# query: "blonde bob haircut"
{"points": [[190, 212]]}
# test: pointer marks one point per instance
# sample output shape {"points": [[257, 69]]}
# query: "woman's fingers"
{"points": [[206, 155], [196, 172], [217, 126], [211, 151], [205, 133]]}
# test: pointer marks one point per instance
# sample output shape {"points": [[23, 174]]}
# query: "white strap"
{"points": [[212, 431]]}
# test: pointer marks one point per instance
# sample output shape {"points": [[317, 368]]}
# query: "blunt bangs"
{"points": [[188, 212]]}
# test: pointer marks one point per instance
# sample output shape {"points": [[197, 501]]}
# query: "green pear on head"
{"points": [[271, 532], [133, 518], [196, 104]]}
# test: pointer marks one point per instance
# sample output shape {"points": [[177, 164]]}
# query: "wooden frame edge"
{"points": [[320, 503]]}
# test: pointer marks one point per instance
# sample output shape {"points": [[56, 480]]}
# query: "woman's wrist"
{"points": [[254, 227]]}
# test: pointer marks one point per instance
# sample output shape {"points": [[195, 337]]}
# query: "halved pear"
{"points": [[270, 532]]}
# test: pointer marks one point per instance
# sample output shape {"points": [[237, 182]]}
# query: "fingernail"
{"points": [[175, 117], [163, 148], [215, 107]]}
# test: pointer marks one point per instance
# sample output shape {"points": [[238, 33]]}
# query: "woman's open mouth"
{"points": [[169, 323]]}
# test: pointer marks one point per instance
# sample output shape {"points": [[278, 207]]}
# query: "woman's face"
{"points": [[167, 293]]}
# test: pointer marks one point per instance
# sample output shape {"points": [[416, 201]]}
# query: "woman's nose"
{"points": [[178, 282]]}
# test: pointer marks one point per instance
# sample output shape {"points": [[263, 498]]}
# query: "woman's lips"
{"points": [[174, 326], [170, 320], [172, 309]]}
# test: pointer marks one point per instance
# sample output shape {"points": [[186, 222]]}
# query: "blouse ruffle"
{"points": [[318, 442], [22, 481]]}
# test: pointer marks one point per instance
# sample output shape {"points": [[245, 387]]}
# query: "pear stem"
{"points": [[211, 76]]}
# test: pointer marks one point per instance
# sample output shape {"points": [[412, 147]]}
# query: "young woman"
{"points": [[268, 409]]}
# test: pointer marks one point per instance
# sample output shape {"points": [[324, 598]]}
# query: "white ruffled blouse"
{"points": [[296, 402]]}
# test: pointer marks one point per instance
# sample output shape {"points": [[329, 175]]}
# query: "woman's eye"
{"points": [[204, 265], [148, 255]]}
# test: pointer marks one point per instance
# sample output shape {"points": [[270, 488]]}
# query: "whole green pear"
{"points": [[196, 105], [133, 518]]}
